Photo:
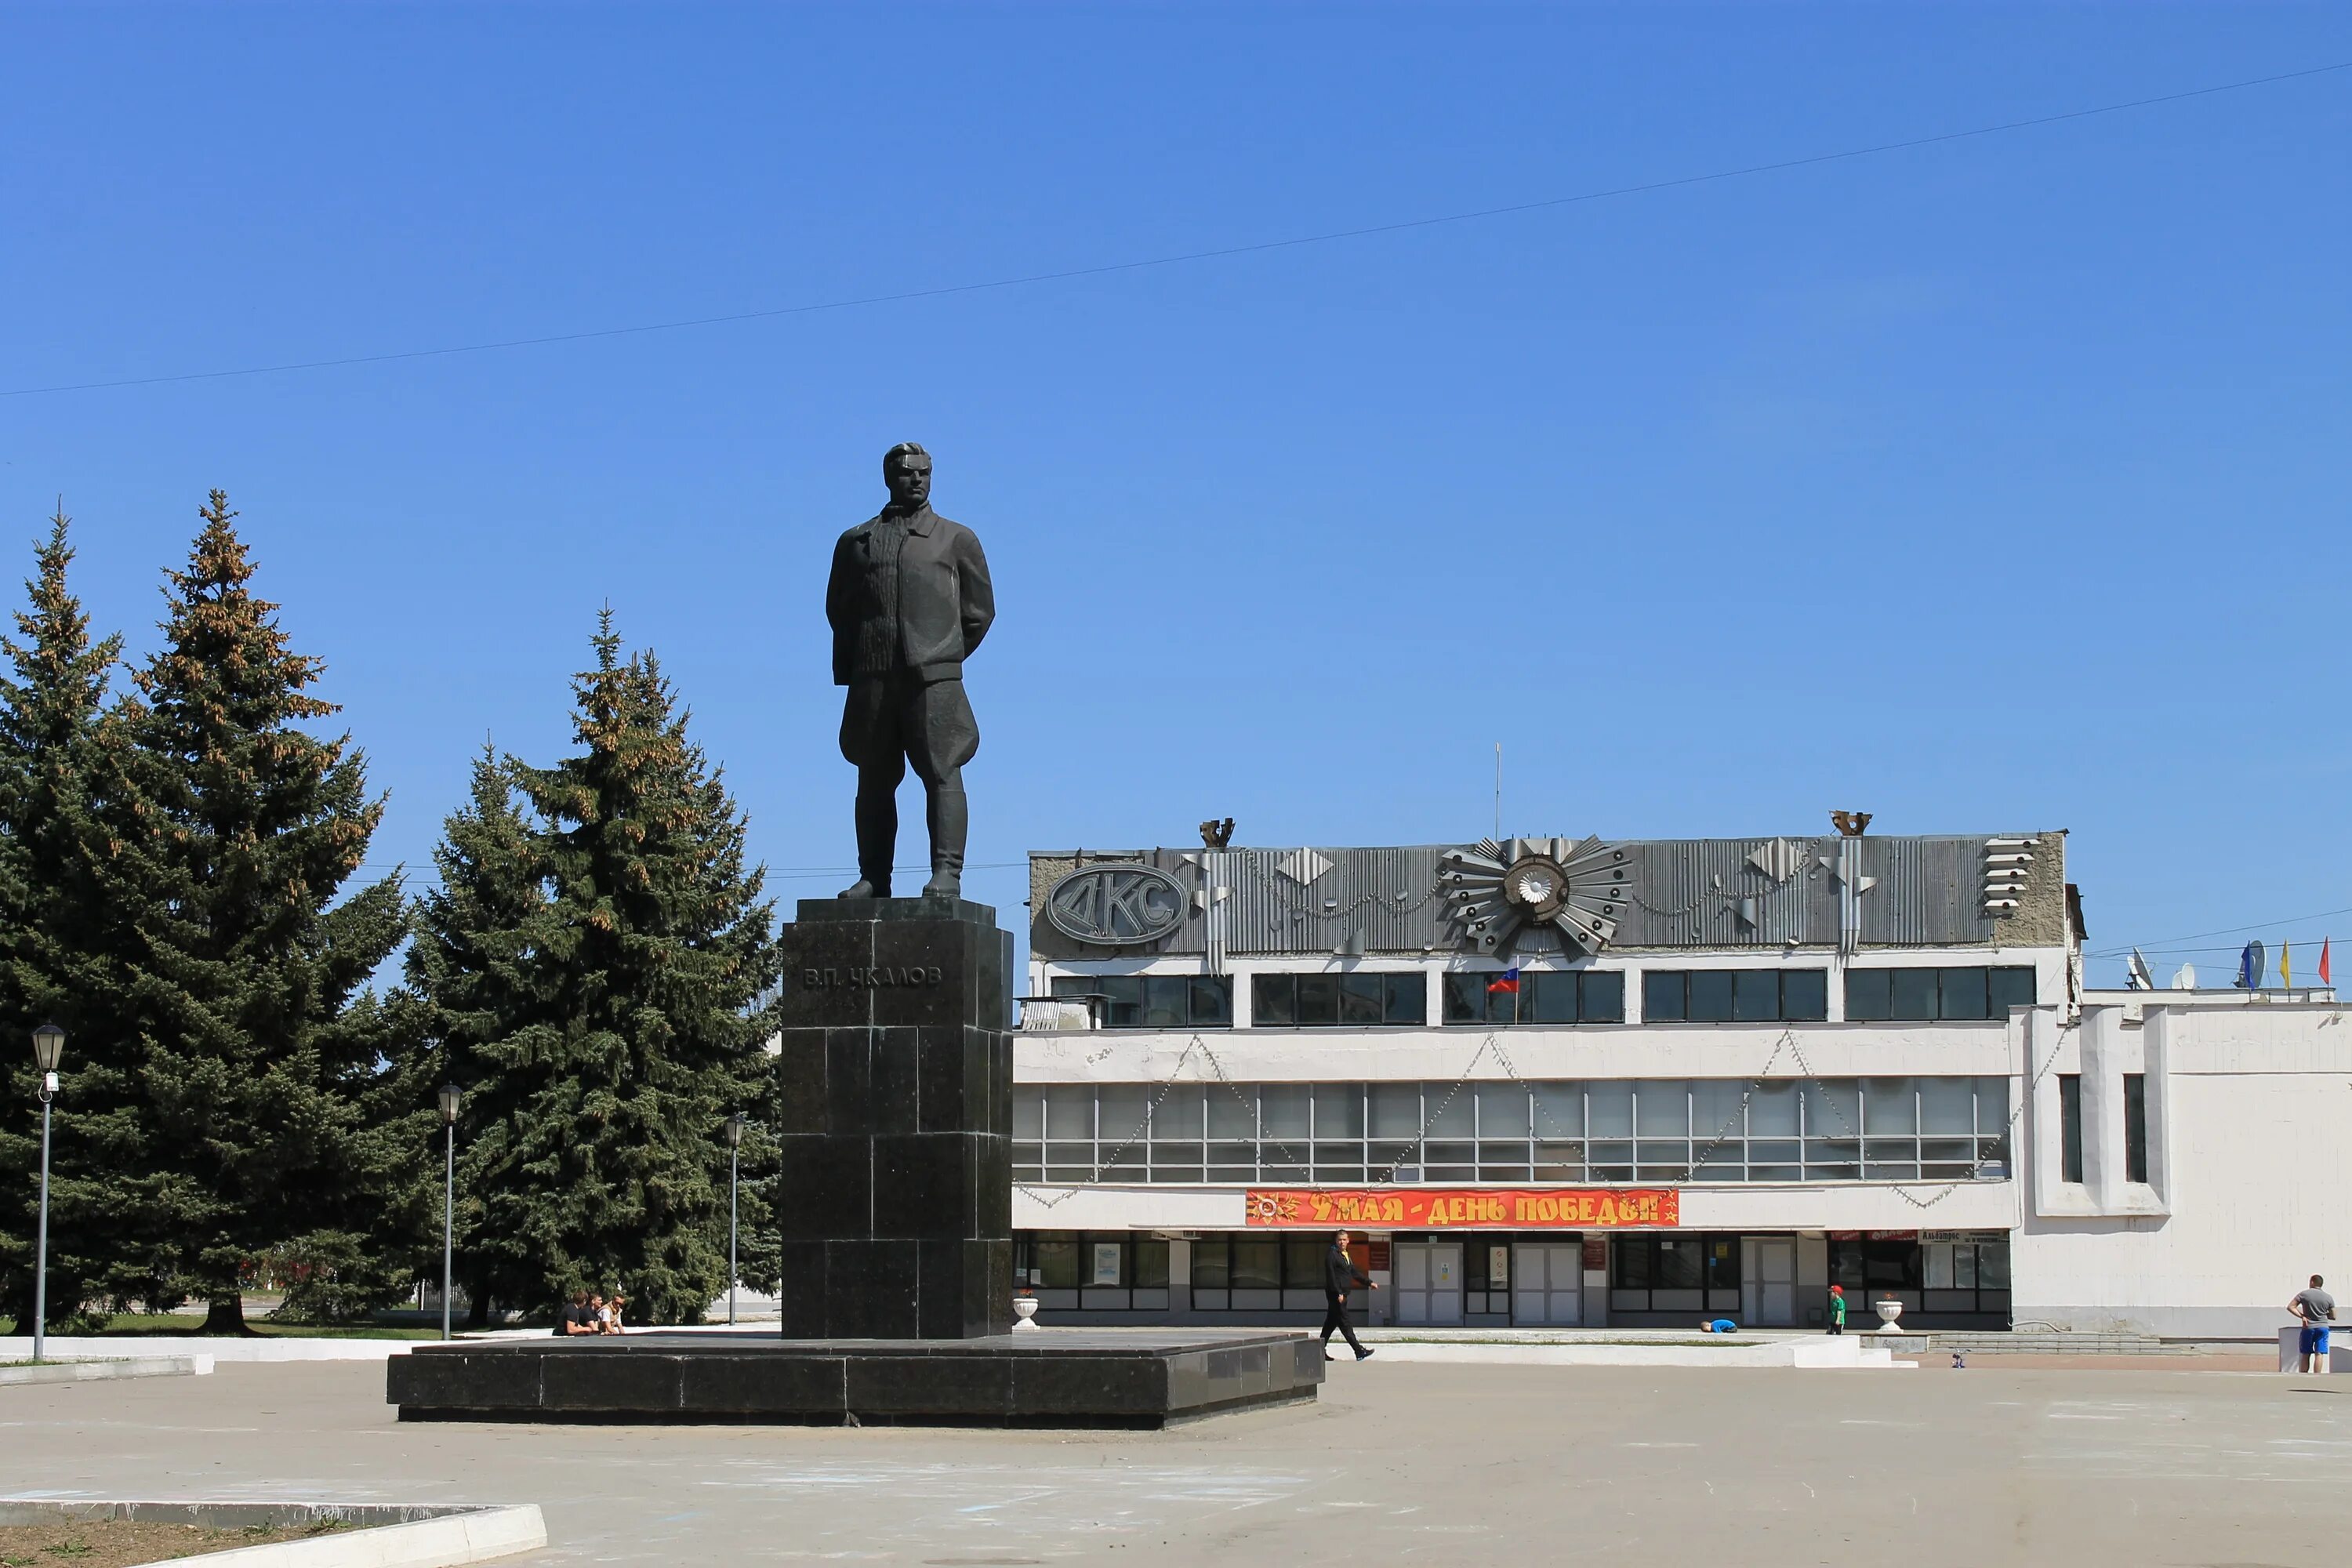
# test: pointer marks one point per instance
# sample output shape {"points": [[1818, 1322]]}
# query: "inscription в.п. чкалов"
{"points": [[837, 979]]}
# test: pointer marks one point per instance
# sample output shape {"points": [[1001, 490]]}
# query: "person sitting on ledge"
{"points": [[576, 1318], [613, 1312]]}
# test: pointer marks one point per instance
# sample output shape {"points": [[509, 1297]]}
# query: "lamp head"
{"points": [[449, 1097], [735, 1130], [49, 1046]]}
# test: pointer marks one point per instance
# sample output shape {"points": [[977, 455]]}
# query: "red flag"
{"points": [[2324, 978]]}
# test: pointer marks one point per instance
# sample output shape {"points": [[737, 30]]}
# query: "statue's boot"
{"points": [[950, 821], [878, 838]]}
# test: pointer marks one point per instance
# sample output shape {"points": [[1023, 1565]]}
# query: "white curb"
{"points": [[1838, 1353], [62, 1370], [475, 1536], [406, 1537], [100, 1347]]}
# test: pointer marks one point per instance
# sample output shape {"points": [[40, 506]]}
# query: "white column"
{"points": [[2155, 1061], [2103, 1105]]}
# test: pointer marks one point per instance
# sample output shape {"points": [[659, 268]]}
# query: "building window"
{"points": [[2069, 1127], [1544, 997], [2135, 1127], [1964, 1274], [1239, 1273], [1735, 995], [1880, 1265], [1338, 1001], [1651, 1271], [1155, 1001], [1647, 1130], [1118, 1270], [1925, 995]]}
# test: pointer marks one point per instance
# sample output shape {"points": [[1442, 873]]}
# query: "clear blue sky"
{"points": [[1997, 484]]}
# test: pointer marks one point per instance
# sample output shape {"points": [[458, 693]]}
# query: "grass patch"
{"points": [[121, 1542]]}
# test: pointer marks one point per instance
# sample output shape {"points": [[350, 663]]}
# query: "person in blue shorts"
{"points": [[2316, 1310]]}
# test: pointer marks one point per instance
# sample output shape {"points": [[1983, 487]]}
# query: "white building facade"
{"points": [[1561, 1082]]}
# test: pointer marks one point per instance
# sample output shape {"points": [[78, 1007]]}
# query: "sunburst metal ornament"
{"points": [[1495, 892]]}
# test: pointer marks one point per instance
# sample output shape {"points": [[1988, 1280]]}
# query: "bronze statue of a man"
{"points": [[910, 600]]}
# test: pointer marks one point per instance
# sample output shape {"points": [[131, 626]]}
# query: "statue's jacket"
{"points": [[945, 602]]}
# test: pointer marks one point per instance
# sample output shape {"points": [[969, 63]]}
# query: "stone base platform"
{"points": [[1052, 1377]]}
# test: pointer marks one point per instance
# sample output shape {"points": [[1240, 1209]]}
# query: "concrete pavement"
{"points": [[1403, 1462]]}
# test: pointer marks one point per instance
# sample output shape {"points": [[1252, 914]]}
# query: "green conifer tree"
{"points": [[476, 968], [63, 942], [636, 1020], [264, 1083]]}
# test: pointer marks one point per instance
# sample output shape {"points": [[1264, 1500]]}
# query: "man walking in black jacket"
{"points": [[1340, 1276]]}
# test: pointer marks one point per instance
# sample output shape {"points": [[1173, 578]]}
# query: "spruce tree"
{"points": [[630, 998], [65, 939], [264, 1083], [474, 965]]}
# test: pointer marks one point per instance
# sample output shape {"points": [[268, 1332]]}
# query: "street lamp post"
{"points": [[448, 1197], [48, 1048], [734, 1161]]}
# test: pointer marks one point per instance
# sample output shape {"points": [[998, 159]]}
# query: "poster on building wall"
{"points": [[1105, 1263], [1498, 1268], [1471, 1208]]}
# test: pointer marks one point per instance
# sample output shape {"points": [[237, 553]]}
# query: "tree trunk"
{"points": [[478, 1307], [224, 1315]]}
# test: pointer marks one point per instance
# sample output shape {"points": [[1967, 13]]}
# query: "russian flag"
{"points": [[1508, 981]]}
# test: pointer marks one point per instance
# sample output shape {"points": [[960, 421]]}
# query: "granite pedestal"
{"points": [[1059, 1377], [896, 1083], [895, 1088]]}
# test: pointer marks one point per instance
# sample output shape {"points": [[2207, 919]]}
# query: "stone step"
{"points": [[2042, 1343]]}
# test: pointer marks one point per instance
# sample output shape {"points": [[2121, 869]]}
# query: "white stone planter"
{"points": [[1887, 1312], [1024, 1313]]}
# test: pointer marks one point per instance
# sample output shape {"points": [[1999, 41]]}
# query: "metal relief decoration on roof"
{"points": [[1302, 867], [1116, 904], [1215, 893], [2008, 864], [1703, 893], [1495, 893], [1778, 858]]}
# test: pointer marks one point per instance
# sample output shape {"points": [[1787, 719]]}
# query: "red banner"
{"points": [[1465, 1208]]}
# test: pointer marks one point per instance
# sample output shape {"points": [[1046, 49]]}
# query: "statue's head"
{"points": [[906, 470]]}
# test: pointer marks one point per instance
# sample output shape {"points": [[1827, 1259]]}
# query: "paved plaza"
{"points": [[1495, 1464]]}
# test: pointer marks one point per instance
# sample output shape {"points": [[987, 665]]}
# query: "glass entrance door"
{"points": [[1428, 1281], [1547, 1283]]}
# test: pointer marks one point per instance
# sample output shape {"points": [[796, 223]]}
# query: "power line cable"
{"points": [[2226, 930], [1181, 257]]}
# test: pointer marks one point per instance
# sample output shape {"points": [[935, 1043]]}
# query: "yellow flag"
{"points": [[2286, 968]]}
